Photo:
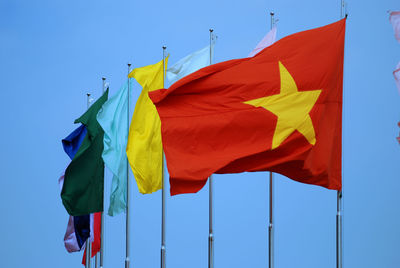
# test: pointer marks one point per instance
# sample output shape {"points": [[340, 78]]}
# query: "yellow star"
{"points": [[292, 108]]}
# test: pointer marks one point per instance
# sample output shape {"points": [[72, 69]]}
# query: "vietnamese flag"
{"points": [[280, 111]]}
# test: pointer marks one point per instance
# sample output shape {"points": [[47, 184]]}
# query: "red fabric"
{"points": [[207, 128], [96, 244]]}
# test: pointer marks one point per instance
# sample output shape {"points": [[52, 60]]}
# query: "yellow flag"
{"points": [[144, 149]]}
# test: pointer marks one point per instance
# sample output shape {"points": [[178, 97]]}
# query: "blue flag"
{"points": [[74, 140], [113, 119]]}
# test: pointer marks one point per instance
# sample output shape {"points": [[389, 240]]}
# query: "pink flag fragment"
{"points": [[268, 40], [396, 74], [70, 241], [394, 19]]}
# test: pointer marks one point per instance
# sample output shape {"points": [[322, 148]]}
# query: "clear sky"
{"points": [[54, 52]]}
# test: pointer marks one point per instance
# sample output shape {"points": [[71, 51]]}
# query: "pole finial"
{"points": [[103, 78], [211, 30], [272, 13], [88, 94], [164, 47], [129, 65], [345, 16]]}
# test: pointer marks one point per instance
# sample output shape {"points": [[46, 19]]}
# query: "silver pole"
{"points": [[342, 8], [270, 226], [163, 246], [88, 244], [102, 214], [271, 202], [210, 198], [210, 225], [339, 241], [339, 249], [128, 192]]}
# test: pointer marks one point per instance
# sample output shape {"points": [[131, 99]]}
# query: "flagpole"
{"points": [[271, 200], [339, 263], [88, 244], [339, 195], [102, 214], [128, 194], [163, 247], [342, 3], [210, 200]]}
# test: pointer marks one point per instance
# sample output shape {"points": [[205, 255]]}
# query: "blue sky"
{"points": [[53, 52]]}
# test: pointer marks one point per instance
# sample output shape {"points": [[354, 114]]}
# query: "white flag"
{"points": [[189, 64]]}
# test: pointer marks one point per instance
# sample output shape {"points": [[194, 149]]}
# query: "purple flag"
{"points": [[268, 40]]}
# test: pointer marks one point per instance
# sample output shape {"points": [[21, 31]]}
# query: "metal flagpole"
{"points": [[271, 200], [339, 252], [342, 3], [128, 192], [88, 244], [210, 198], [339, 241], [102, 214], [163, 248]]}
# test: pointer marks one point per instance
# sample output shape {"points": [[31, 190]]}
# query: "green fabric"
{"points": [[83, 188]]}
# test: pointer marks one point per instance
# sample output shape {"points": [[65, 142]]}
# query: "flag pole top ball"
{"points": [[272, 13], [103, 78], [88, 94], [129, 65], [211, 30]]}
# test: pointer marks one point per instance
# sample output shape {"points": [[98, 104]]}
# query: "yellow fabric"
{"points": [[292, 108], [144, 148]]}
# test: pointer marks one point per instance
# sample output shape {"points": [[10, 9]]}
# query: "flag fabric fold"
{"points": [[396, 74], [268, 40], [189, 64], [394, 19], [73, 141], [144, 148], [82, 192], [278, 111], [113, 119]]}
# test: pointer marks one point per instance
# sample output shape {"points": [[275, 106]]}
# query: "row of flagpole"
{"points": [[339, 242]]}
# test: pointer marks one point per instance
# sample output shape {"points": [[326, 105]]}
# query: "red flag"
{"points": [[96, 229], [280, 110]]}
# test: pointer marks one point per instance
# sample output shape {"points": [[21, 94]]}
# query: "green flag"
{"points": [[83, 188]]}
